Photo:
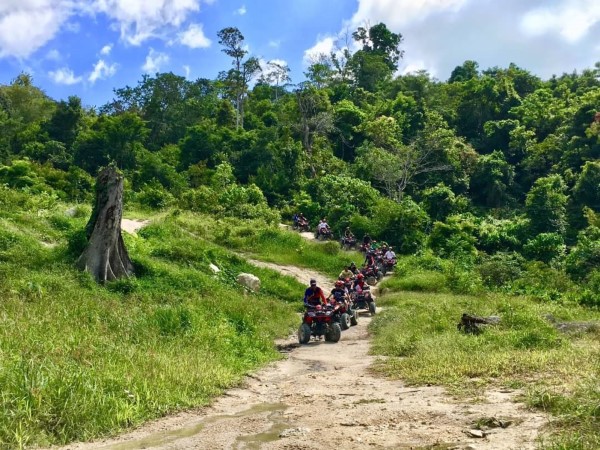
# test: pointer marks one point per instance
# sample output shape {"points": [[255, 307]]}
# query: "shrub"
{"points": [[545, 247], [454, 238], [500, 269]]}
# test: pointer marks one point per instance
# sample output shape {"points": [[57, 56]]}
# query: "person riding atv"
{"points": [[346, 273], [353, 268], [338, 293], [323, 229], [314, 295]]}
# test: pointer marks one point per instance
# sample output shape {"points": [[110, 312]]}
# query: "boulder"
{"points": [[214, 268], [250, 281]]}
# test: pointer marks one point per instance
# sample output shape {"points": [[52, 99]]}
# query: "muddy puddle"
{"points": [[274, 412]]}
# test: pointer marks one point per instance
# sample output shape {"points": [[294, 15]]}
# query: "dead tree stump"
{"points": [[105, 256]]}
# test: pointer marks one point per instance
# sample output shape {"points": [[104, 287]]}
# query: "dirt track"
{"points": [[323, 396]]}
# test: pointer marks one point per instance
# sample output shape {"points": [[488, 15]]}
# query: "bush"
{"points": [[590, 294], [545, 247], [154, 195], [500, 269], [585, 256], [454, 238], [402, 225]]}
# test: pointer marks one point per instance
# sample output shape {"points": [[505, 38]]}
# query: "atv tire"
{"points": [[372, 308], [304, 333], [345, 321], [334, 334], [354, 317]]}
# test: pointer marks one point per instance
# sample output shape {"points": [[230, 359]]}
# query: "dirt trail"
{"points": [[132, 225], [323, 395]]}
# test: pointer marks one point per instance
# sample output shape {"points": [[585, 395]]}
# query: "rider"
{"points": [[323, 227], [389, 255], [338, 292], [367, 239], [348, 234], [353, 268], [359, 283], [313, 295], [370, 259], [346, 273]]}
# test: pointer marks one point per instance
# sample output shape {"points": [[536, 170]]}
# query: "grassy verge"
{"points": [[78, 361], [560, 373], [271, 244]]}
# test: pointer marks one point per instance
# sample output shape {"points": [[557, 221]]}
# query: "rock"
{"points": [[214, 268], [476, 433], [71, 212], [250, 281]]}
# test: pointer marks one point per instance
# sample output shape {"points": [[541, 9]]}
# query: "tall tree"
{"points": [[236, 80]]}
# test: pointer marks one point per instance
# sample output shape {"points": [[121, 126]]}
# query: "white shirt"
{"points": [[389, 255]]}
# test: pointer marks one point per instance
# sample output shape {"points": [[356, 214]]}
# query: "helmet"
{"points": [[347, 280], [360, 276], [313, 282], [339, 283]]}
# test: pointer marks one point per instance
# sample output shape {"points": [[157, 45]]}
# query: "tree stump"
{"points": [[105, 256]]}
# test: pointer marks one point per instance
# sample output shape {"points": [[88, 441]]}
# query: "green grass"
{"points": [[79, 361], [271, 244], [417, 332]]}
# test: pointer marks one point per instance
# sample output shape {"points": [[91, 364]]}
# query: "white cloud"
{"points": [[397, 13], [27, 25], [275, 43], [53, 55], [102, 70], [64, 75], [324, 46], [139, 20], [572, 19], [186, 70], [194, 37], [241, 10], [106, 49], [154, 61]]}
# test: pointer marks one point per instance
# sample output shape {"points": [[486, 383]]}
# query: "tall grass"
{"points": [[78, 360]]}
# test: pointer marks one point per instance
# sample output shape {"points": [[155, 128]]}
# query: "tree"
{"points": [[492, 180], [378, 58], [546, 205], [105, 256], [236, 80], [314, 118], [468, 70], [277, 74]]}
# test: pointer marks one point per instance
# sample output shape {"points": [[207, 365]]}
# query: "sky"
{"points": [[90, 47]]}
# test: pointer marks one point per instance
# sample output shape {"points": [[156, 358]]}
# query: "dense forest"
{"points": [[494, 169]]}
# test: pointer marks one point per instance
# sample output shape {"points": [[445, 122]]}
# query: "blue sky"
{"points": [[89, 47]]}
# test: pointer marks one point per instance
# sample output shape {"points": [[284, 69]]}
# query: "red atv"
{"points": [[343, 313], [319, 321], [364, 301]]}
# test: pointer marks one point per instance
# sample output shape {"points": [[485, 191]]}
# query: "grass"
{"points": [[271, 244], [417, 331], [79, 361]]}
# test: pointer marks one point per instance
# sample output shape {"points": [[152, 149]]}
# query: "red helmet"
{"points": [[360, 276], [339, 283]]}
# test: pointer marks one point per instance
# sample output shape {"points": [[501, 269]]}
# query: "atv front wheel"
{"points": [[334, 333], [354, 317], [345, 321], [372, 308], [304, 333]]}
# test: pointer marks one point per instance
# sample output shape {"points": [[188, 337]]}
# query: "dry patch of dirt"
{"points": [[132, 225]]}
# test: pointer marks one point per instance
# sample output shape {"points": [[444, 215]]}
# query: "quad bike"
{"points": [[319, 321], [372, 274], [388, 265], [364, 301], [344, 314], [302, 225], [348, 243], [323, 234]]}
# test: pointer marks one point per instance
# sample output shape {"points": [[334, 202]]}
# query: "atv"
{"points": [[348, 243], [364, 301], [344, 314], [318, 322], [323, 235]]}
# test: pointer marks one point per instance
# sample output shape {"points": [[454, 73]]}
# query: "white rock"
{"points": [[214, 268], [252, 282]]}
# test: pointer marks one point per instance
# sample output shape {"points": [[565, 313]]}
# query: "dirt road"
{"points": [[323, 396]]}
